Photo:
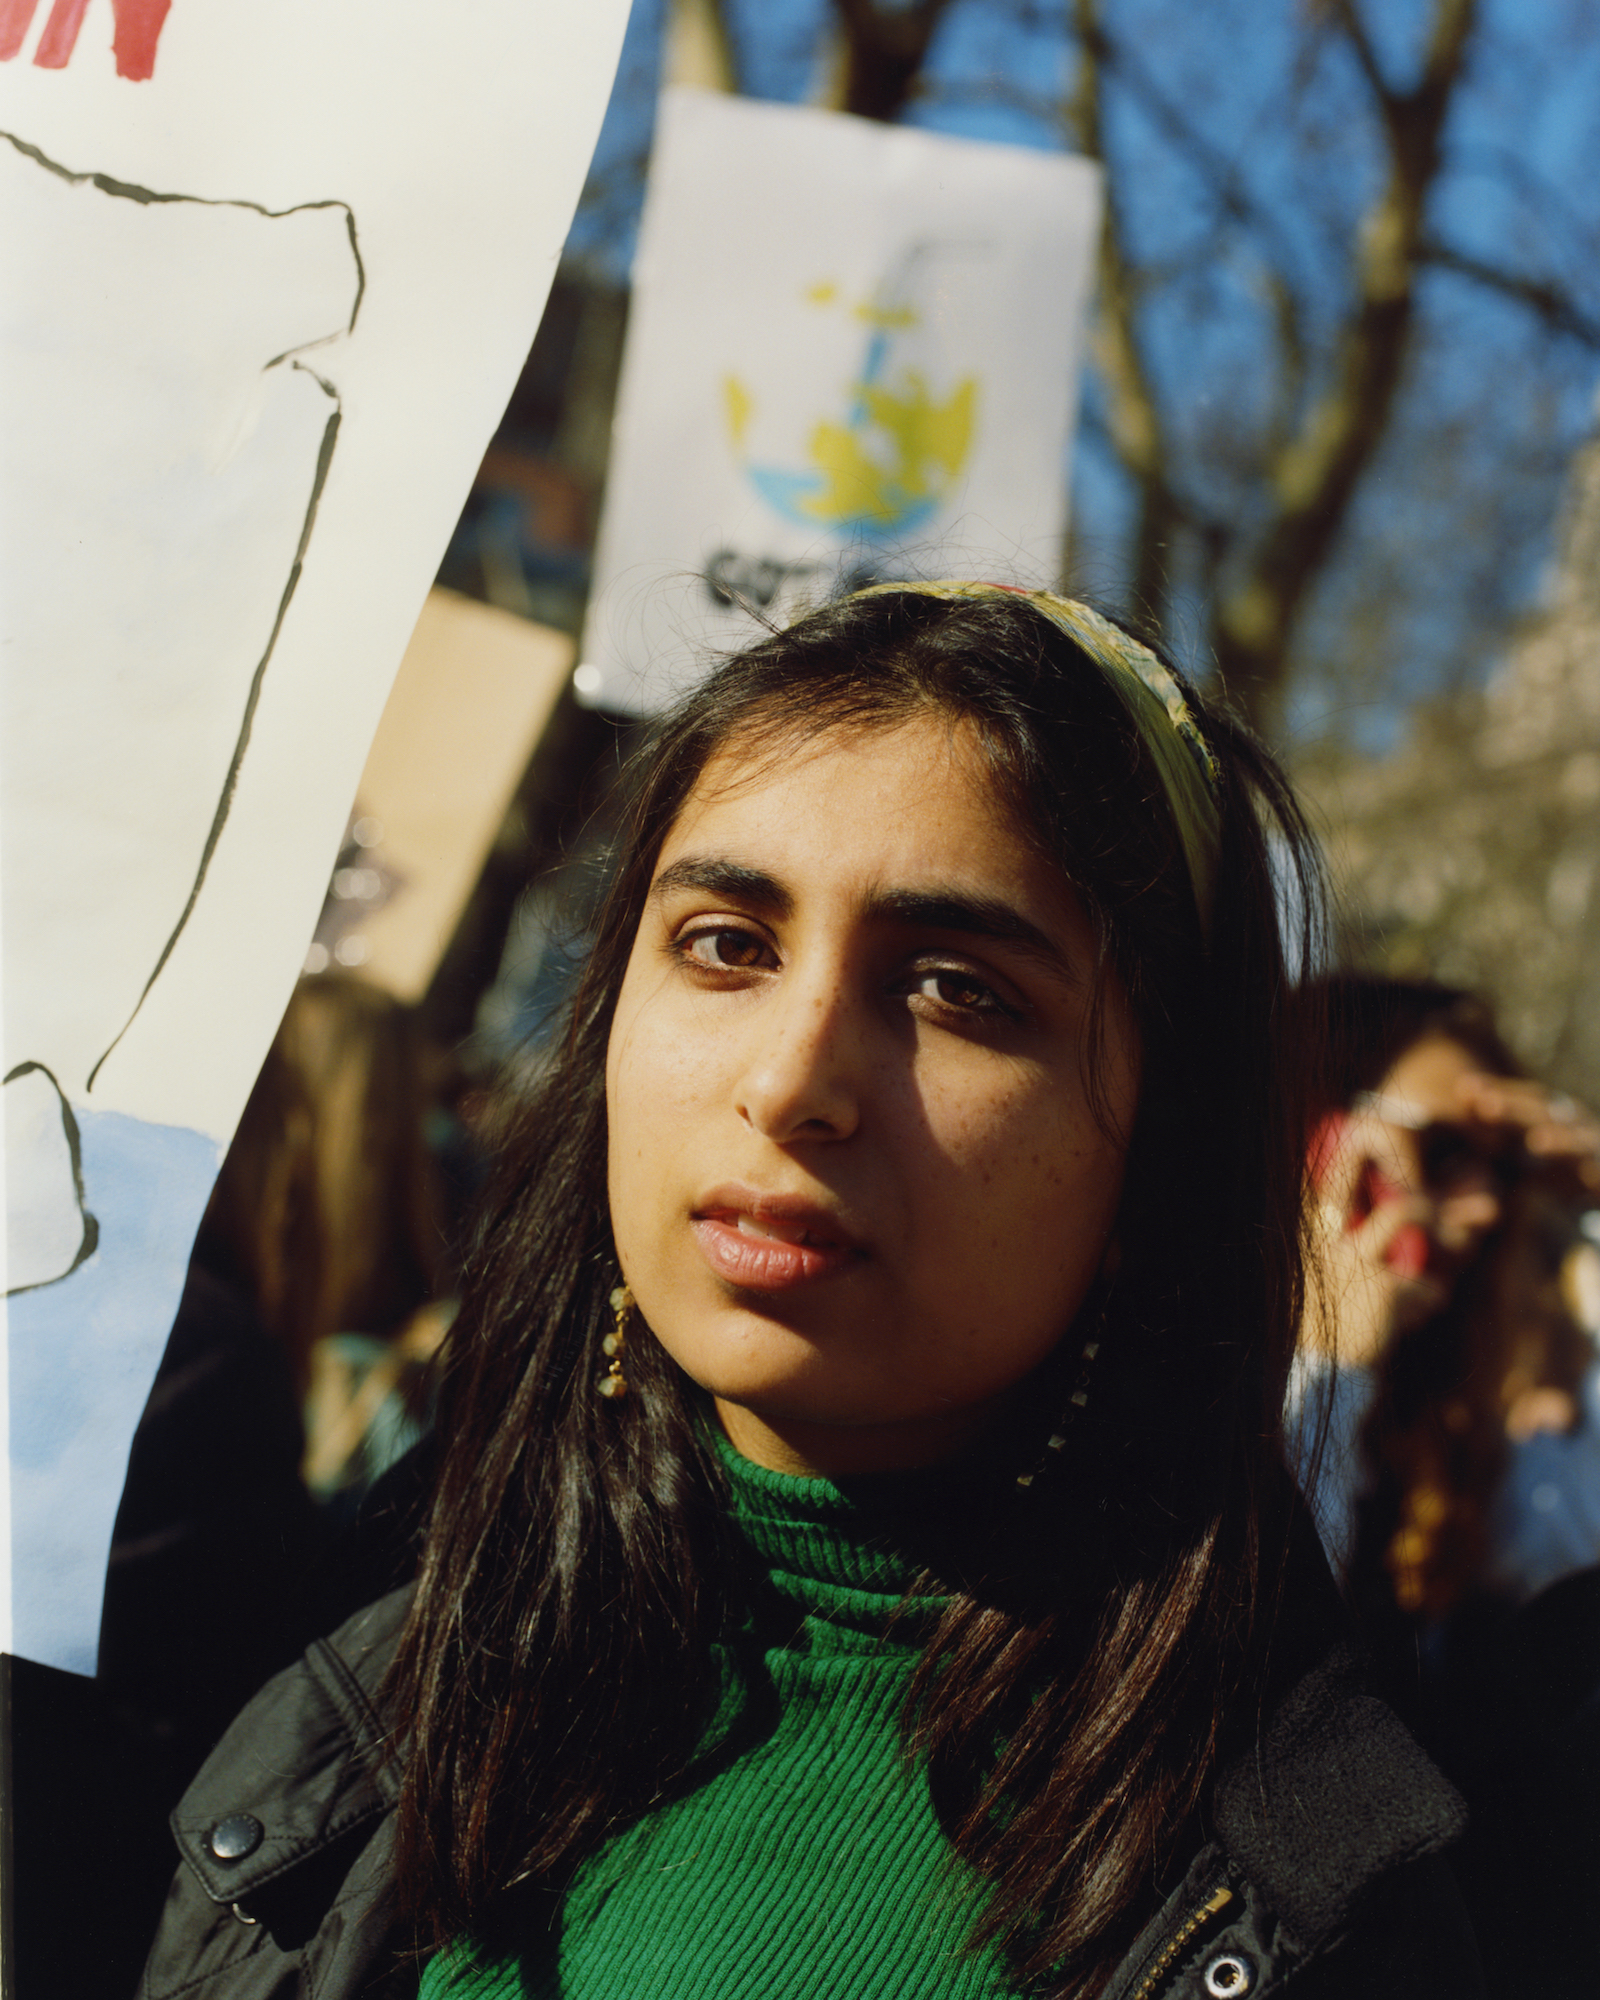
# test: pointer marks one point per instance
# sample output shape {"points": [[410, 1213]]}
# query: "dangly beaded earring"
{"points": [[1078, 1398], [614, 1383]]}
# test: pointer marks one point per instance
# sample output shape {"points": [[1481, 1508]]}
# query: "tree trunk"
{"points": [[884, 50], [1314, 474]]}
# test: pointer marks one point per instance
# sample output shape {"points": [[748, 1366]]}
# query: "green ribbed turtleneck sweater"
{"points": [[811, 1866]]}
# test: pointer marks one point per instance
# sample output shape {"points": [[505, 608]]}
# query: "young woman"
{"points": [[862, 1563]]}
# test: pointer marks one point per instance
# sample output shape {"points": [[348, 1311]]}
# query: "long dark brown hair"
{"points": [[1104, 1636]]}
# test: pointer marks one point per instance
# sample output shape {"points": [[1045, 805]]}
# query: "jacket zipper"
{"points": [[1218, 1900]]}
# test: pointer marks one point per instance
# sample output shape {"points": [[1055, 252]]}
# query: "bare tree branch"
{"points": [[1292, 370], [1233, 198], [1553, 305], [699, 47], [722, 27], [1227, 184], [1355, 33], [1133, 411], [884, 50], [1314, 475]]}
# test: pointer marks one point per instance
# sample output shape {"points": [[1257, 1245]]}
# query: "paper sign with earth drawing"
{"points": [[851, 349]]}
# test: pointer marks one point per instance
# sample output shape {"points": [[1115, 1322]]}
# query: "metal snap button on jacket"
{"points": [[231, 1839], [1230, 1976]]}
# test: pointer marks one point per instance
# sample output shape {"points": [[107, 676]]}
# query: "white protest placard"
{"points": [[268, 277], [852, 349]]}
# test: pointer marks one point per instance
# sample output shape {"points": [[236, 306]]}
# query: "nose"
{"points": [[803, 1065]]}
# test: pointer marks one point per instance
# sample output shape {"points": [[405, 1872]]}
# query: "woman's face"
{"points": [[856, 1182]]}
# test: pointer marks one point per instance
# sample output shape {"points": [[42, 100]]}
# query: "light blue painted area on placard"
{"points": [[84, 1352], [792, 495]]}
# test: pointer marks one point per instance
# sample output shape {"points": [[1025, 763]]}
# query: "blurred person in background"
{"points": [[313, 1303], [1448, 1192], [1448, 1376], [325, 1211], [374, 1309]]}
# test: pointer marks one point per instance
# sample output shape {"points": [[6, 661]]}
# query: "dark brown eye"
{"points": [[957, 991], [960, 990], [726, 949]]}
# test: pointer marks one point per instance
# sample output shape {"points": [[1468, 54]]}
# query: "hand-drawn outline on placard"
{"points": [[162, 947], [87, 1225]]}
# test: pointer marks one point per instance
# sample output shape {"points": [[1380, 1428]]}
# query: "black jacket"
{"points": [[1323, 1881]]}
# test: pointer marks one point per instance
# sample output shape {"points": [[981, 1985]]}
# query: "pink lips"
{"points": [[805, 1243]]}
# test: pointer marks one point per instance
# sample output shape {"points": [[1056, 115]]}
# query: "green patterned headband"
{"points": [[1152, 697]]}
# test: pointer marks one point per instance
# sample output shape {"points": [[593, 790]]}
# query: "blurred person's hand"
{"points": [[1541, 1410], [1370, 1231], [1556, 1137], [1462, 1137]]}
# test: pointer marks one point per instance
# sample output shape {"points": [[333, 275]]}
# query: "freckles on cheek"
{"points": [[682, 1076], [988, 1137], [658, 1079], [1045, 1170]]}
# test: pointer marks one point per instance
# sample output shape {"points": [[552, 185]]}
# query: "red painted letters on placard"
{"points": [[16, 17], [60, 33], [137, 31]]}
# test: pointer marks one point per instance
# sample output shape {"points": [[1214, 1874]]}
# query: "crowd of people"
{"points": [[985, 1413]]}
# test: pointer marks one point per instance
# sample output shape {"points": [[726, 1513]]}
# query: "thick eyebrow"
{"points": [[725, 878], [935, 909], [971, 916]]}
